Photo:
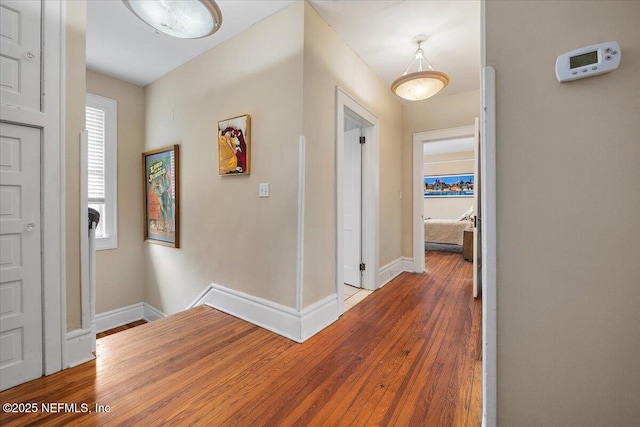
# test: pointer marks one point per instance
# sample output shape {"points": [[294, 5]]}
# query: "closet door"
{"points": [[21, 354], [20, 257], [20, 53]]}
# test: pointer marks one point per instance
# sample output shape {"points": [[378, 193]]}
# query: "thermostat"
{"points": [[588, 61]]}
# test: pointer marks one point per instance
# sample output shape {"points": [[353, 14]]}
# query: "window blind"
{"points": [[96, 154]]}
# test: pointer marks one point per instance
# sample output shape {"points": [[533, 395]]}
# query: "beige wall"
{"points": [[244, 229], [447, 164], [230, 236], [329, 62], [441, 112], [120, 272], [568, 284], [74, 110]]}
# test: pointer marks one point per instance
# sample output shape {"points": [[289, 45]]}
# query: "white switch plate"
{"points": [[263, 189]]}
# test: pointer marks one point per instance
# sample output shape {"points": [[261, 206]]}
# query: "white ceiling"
{"points": [[121, 46], [379, 31]]}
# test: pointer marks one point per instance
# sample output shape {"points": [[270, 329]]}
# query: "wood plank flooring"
{"points": [[120, 329], [408, 355]]}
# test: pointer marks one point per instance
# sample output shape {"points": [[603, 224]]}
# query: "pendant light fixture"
{"points": [[185, 19], [421, 84]]}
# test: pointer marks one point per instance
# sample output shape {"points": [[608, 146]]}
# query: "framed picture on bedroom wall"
{"points": [[161, 171], [234, 146], [449, 185]]}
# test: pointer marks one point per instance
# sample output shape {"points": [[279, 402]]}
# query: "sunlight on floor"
{"points": [[353, 295]]}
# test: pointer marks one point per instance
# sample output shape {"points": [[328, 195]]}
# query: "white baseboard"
{"points": [[150, 313], [318, 316], [392, 270], [407, 265], [81, 342], [122, 316], [283, 320], [79, 347]]}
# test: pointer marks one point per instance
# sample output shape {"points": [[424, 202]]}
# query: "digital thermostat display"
{"points": [[584, 59], [588, 61]]}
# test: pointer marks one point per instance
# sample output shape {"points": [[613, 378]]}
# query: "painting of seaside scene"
{"points": [[449, 185]]}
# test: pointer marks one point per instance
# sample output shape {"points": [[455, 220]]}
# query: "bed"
{"points": [[445, 231]]}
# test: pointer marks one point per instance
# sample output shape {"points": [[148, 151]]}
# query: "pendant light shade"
{"points": [[186, 19], [421, 84]]}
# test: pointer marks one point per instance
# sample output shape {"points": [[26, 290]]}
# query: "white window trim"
{"points": [[110, 107]]}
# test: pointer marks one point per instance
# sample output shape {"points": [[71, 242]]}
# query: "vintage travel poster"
{"points": [[161, 196]]}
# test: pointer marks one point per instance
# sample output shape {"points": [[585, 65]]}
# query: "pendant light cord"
{"points": [[419, 55]]}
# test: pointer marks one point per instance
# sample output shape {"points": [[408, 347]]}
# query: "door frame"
{"points": [[489, 248], [370, 194], [419, 139], [54, 230]]}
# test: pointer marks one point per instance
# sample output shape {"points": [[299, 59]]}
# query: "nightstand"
{"points": [[467, 245]]}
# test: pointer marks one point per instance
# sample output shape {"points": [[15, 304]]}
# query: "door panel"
{"points": [[21, 53], [20, 258], [352, 207]]}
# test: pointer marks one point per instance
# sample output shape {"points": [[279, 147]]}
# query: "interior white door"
{"points": [[477, 203], [352, 207], [21, 53], [20, 262]]}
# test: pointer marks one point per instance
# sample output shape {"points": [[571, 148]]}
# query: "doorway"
{"points": [[352, 201], [356, 196], [419, 140]]}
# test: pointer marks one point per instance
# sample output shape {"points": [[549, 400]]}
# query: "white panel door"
{"points": [[20, 262], [352, 207], [20, 53]]}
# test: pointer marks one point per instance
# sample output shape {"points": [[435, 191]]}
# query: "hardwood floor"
{"points": [[408, 355], [120, 329]]}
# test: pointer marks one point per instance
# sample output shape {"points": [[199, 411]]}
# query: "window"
{"points": [[102, 129]]}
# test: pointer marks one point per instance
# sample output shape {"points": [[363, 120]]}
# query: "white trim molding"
{"points": [[370, 193], [150, 313], [285, 321], [85, 264], [122, 316], [392, 270], [80, 347], [489, 250], [318, 316], [300, 239], [109, 215]]}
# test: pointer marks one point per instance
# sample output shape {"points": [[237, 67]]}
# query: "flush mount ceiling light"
{"points": [[186, 19], [420, 84]]}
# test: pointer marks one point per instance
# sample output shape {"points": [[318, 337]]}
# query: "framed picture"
{"points": [[160, 172], [449, 185], [234, 146]]}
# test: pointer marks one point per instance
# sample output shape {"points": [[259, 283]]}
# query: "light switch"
{"points": [[263, 189]]}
